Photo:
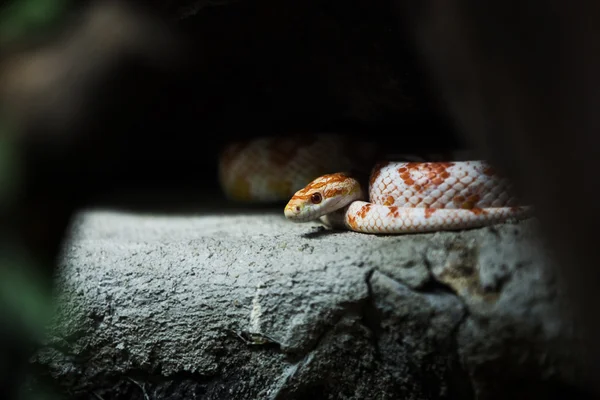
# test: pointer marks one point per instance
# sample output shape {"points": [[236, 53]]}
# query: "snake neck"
{"points": [[334, 216], [353, 187]]}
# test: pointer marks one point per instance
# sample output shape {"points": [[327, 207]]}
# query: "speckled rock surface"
{"points": [[245, 305]]}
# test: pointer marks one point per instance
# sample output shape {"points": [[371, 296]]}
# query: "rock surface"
{"points": [[241, 304]]}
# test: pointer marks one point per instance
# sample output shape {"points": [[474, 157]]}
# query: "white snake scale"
{"points": [[401, 197]]}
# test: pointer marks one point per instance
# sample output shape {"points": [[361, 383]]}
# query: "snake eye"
{"points": [[316, 198]]}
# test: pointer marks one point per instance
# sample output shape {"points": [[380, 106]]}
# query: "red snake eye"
{"points": [[316, 198]]}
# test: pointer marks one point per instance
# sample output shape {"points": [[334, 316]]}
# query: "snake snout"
{"points": [[292, 211], [298, 212]]}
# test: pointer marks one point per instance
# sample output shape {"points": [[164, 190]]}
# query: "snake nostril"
{"points": [[297, 208]]}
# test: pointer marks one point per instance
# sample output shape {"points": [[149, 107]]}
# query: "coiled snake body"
{"points": [[398, 196]]}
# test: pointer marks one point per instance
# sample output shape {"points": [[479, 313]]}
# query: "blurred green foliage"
{"points": [[20, 18], [25, 304], [23, 292]]}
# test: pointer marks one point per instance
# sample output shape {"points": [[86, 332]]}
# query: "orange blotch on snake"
{"points": [[388, 201], [458, 199], [444, 165], [339, 177], [440, 172], [363, 210], [393, 212], [351, 221], [332, 192], [315, 186], [437, 181], [469, 202], [429, 212], [474, 198], [478, 211]]}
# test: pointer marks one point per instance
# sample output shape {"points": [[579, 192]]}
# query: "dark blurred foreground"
{"points": [[104, 99]]}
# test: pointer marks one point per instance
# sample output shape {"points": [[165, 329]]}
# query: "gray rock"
{"points": [[246, 305]]}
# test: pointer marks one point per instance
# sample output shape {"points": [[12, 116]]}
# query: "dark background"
{"points": [[244, 70]]}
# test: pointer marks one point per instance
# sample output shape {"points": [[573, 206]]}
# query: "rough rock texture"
{"points": [[241, 304]]}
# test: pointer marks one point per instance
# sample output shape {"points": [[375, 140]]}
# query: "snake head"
{"points": [[322, 196]]}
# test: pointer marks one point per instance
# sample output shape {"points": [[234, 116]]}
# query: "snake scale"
{"points": [[317, 175]]}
